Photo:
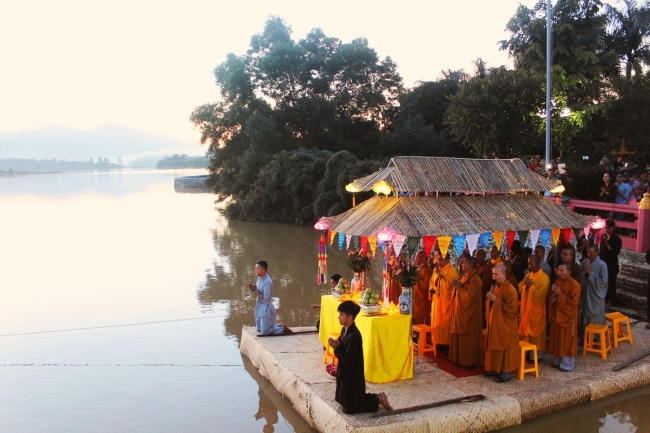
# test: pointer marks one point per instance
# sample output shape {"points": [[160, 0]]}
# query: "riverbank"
{"points": [[294, 365], [24, 173]]}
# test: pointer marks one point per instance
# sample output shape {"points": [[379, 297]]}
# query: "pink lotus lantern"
{"points": [[322, 224], [597, 224], [386, 235]]}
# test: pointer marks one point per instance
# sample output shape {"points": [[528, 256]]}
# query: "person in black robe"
{"points": [[610, 247], [350, 380]]}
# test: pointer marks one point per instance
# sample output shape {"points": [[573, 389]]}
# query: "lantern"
{"points": [[382, 187], [386, 235], [322, 224], [353, 188]]}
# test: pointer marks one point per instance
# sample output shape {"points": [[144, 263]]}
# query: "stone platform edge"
{"points": [[497, 412]]}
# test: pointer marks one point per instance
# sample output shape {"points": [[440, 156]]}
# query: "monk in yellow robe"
{"points": [[502, 355], [563, 315], [533, 290], [466, 346], [441, 289], [421, 301], [495, 257]]}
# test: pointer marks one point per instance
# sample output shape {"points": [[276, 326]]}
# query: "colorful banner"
{"points": [[356, 243], [556, 235], [510, 238], [576, 232], [332, 236], [472, 243], [459, 243], [372, 243], [485, 239], [398, 243], [341, 240], [566, 235], [545, 234], [534, 237], [523, 235], [322, 260], [348, 240], [364, 244], [429, 242], [498, 239], [443, 244], [413, 242]]}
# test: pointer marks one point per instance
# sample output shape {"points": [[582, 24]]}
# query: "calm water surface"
{"points": [[158, 281]]}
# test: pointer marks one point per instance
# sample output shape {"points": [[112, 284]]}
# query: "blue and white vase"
{"points": [[405, 301]]}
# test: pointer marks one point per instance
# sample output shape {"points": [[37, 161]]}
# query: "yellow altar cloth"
{"points": [[387, 346]]}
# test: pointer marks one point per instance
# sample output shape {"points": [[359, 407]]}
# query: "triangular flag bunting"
{"points": [[412, 243], [498, 239], [443, 244], [566, 235], [534, 236], [372, 243], [398, 243], [429, 242], [332, 236], [364, 244], [356, 243], [341, 240], [545, 234], [576, 231], [556, 235], [523, 234], [348, 240], [472, 243], [459, 243], [510, 238], [485, 239]]}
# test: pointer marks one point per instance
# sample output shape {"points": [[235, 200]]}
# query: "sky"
{"points": [[148, 64]]}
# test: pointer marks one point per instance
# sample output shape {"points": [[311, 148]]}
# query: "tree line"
{"points": [[298, 120]]}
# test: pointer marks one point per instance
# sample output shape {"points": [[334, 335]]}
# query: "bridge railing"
{"points": [[635, 218]]}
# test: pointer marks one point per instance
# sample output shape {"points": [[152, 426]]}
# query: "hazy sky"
{"points": [[147, 64]]}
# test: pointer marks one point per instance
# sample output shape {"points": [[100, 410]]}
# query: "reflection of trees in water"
{"points": [[291, 252], [271, 401]]}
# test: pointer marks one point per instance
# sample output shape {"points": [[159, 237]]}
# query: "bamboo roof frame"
{"points": [[455, 215], [456, 175]]}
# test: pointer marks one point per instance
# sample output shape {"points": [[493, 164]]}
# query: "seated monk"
{"points": [[563, 316], [467, 318], [502, 355]]}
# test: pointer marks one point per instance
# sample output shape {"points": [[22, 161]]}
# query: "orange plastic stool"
{"points": [[329, 352], [618, 333], [604, 345], [524, 347], [422, 346]]}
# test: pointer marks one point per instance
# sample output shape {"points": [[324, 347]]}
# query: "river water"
{"points": [[122, 303]]}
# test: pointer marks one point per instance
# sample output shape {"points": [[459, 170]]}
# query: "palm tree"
{"points": [[629, 34]]}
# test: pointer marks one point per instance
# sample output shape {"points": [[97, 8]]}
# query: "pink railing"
{"points": [[636, 218]]}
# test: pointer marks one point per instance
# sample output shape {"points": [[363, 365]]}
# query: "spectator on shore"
{"points": [[533, 166], [635, 185], [610, 247], [607, 192], [643, 182]]}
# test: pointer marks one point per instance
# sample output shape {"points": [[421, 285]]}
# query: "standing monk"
{"points": [[467, 318], [534, 290], [421, 301], [442, 286], [594, 290], [563, 316], [502, 356], [508, 265], [495, 258], [350, 379], [568, 256]]}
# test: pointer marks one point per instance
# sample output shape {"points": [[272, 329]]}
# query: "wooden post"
{"points": [[643, 224]]}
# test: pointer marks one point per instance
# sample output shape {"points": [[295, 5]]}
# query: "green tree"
{"points": [[629, 33], [499, 113]]}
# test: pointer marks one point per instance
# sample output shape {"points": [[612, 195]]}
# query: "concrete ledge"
{"points": [[294, 365]]}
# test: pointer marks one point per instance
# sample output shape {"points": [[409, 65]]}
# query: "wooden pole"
{"points": [[467, 399]]}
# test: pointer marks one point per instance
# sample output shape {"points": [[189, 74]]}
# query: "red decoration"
{"points": [[510, 237], [566, 234], [429, 242], [364, 244]]}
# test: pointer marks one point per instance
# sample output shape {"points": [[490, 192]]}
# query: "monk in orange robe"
{"points": [[532, 312], [484, 271], [511, 278], [466, 346], [502, 355], [441, 289], [421, 301], [563, 315], [495, 257]]}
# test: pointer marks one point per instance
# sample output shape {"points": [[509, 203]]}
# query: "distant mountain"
{"points": [[107, 141]]}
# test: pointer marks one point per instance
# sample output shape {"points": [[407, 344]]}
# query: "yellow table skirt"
{"points": [[387, 346]]}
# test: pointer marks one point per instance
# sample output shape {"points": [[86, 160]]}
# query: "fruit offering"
{"points": [[342, 287], [369, 298]]}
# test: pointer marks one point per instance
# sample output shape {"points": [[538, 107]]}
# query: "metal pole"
{"points": [[549, 35]]}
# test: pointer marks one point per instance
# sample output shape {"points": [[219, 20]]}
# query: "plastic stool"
{"points": [[525, 347], [329, 352], [618, 333], [421, 345], [604, 345]]}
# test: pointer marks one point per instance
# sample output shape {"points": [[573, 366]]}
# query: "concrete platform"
{"points": [[294, 365]]}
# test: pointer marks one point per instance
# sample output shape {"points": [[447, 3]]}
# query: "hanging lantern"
{"points": [[353, 188], [386, 235], [382, 187], [597, 224], [322, 224]]}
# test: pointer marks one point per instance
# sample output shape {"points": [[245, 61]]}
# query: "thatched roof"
{"points": [[451, 216], [425, 173]]}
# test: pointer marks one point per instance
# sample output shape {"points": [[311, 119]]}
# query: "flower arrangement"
{"points": [[403, 271], [359, 261]]}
